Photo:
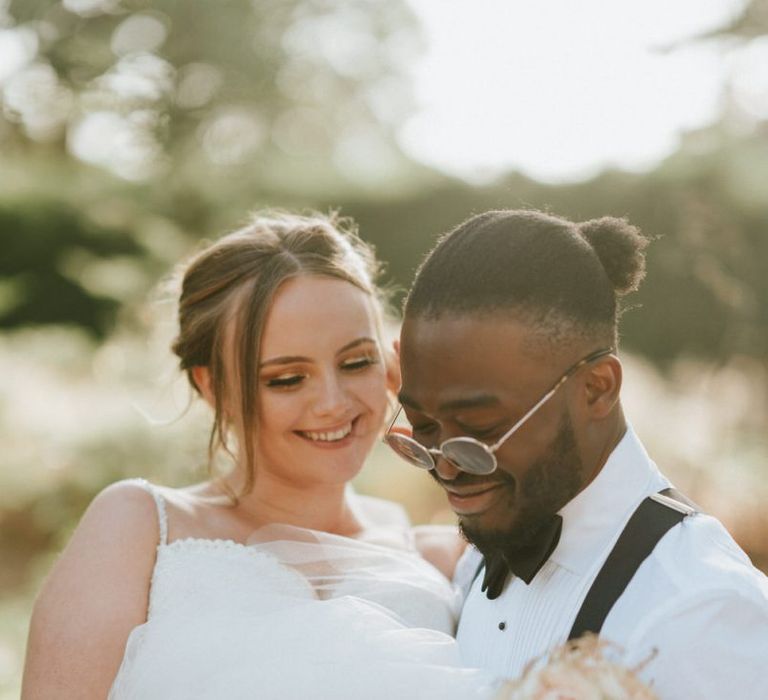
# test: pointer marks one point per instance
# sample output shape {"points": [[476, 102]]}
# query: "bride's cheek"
{"points": [[382, 395]]}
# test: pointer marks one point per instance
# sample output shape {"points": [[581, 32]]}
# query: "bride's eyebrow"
{"points": [[355, 343], [284, 360], [290, 359]]}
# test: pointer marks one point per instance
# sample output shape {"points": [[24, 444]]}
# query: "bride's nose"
{"points": [[331, 398]]}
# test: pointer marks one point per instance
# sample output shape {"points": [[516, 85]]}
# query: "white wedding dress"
{"points": [[295, 614]]}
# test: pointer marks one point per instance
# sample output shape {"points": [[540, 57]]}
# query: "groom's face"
{"points": [[476, 377]]}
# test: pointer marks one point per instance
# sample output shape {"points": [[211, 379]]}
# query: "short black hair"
{"points": [[563, 276]]}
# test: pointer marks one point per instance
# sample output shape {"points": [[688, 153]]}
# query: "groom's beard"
{"points": [[532, 501]]}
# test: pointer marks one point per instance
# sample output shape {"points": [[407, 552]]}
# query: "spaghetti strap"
{"points": [[162, 517]]}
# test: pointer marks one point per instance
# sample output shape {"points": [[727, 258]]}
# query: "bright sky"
{"points": [[560, 89]]}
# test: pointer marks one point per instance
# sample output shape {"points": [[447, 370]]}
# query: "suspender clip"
{"points": [[674, 504]]}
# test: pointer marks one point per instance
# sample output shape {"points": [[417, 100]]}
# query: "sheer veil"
{"points": [[331, 566]]}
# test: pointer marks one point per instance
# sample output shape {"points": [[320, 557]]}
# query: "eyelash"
{"points": [[358, 363], [282, 382], [482, 433], [424, 429], [355, 364]]}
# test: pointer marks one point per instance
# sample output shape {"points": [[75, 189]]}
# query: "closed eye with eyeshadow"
{"points": [[293, 379]]}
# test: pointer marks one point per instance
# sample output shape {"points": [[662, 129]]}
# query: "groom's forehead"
{"points": [[460, 358], [461, 337]]}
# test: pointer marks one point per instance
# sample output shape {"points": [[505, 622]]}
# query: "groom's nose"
{"points": [[445, 470]]}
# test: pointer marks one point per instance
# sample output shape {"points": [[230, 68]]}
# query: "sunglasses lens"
{"points": [[469, 456], [410, 450]]}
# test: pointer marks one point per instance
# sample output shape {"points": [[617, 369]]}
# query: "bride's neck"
{"points": [[326, 508]]}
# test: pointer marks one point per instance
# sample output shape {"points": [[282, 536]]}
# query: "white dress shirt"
{"points": [[696, 602]]}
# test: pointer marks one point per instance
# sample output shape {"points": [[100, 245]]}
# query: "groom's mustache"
{"points": [[464, 480]]}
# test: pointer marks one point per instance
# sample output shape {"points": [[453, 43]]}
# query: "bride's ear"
{"points": [[201, 375]]}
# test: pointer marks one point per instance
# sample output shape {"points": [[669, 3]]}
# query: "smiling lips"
{"points": [[335, 435]]}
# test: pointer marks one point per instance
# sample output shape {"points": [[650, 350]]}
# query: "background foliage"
{"points": [[130, 130]]}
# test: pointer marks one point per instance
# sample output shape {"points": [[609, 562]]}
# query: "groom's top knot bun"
{"points": [[620, 246], [562, 277]]}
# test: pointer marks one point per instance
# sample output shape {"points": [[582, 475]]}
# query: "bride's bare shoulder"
{"points": [[96, 593], [123, 506]]}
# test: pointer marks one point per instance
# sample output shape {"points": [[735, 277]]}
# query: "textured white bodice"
{"points": [[295, 613]]}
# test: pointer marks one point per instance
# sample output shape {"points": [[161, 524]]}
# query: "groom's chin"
{"points": [[493, 523], [485, 538], [488, 541], [497, 530]]}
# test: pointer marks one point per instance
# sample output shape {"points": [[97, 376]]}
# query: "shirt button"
{"points": [[502, 626]]}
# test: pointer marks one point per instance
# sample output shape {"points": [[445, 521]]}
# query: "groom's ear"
{"points": [[393, 368], [602, 385]]}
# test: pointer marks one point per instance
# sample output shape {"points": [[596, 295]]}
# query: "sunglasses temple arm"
{"points": [[394, 418], [533, 410]]}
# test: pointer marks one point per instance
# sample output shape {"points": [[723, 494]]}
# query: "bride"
{"points": [[275, 581]]}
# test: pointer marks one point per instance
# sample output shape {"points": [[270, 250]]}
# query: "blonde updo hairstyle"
{"points": [[235, 279]]}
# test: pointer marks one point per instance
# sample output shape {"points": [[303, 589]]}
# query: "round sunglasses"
{"points": [[466, 453]]}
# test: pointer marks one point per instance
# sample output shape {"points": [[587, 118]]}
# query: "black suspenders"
{"points": [[652, 519]]}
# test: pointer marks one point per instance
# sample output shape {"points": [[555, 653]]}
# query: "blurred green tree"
{"points": [[60, 268], [285, 92], [163, 121], [128, 126]]}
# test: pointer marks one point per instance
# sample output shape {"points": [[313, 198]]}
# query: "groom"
{"points": [[511, 383]]}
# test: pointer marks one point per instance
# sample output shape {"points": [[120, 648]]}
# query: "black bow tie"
{"points": [[524, 562]]}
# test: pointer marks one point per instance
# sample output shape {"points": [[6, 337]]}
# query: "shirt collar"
{"points": [[593, 519]]}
